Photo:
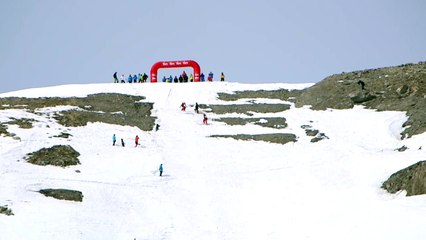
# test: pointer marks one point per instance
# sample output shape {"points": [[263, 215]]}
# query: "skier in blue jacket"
{"points": [[161, 170], [129, 79], [113, 140]]}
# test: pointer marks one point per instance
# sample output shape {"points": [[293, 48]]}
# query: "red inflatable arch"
{"points": [[176, 64]]}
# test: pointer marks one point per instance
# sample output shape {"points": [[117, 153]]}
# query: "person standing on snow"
{"points": [[161, 170], [191, 78], [205, 119], [122, 142], [196, 107], [183, 106], [129, 78], [114, 139], [115, 77], [136, 140], [210, 77], [144, 77], [202, 77], [135, 78], [222, 77], [122, 78], [140, 78]]}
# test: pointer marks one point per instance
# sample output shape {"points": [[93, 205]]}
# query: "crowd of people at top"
{"points": [[139, 78], [142, 78]]}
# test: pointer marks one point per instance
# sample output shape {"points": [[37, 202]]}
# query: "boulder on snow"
{"points": [[319, 137], [6, 211], [58, 155], [401, 149], [63, 194], [411, 179]]}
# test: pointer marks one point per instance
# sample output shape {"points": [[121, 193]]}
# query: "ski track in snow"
{"points": [[211, 188]]}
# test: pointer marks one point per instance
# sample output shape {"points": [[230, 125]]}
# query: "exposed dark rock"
{"points": [[403, 90], [383, 91], [111, 108], [58, 155], [311, 132], [411, 179], [361, 98], [281, 138], [319, 137], [277, 123], [6, 211], [246, 108], [402, 149], [63, 194]]}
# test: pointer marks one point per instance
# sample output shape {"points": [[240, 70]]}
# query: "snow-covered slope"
{"points": [[212, 188]]}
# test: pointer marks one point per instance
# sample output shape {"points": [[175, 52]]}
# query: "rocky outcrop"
{"points": [[400, 88], [411, 179]]}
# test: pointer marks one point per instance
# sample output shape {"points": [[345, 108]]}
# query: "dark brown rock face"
{"points": [[411, 179]]}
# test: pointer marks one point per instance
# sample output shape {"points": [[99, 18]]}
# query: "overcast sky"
{"points": [[53, 42]]}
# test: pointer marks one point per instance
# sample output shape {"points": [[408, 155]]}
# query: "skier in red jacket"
{"points": [[205, 119], [136, 140]]}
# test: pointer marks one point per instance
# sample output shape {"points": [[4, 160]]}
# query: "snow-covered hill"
{"points": [[212, 188]]}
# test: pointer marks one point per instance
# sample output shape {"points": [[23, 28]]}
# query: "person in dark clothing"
{"points": [[176, 80], [122, 142], [196, 107], [183, 106], [144, 77], [180, 79], [157, 127], [362, 84], [129, 78], [115, 77], [202, 77], [184, 76]]}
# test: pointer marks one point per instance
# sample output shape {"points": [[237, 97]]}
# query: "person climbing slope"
{"points": [[205, 119], [196, 107], [183, 106], [362, 84], [114, 139], [160, 169], [136, 140]]}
